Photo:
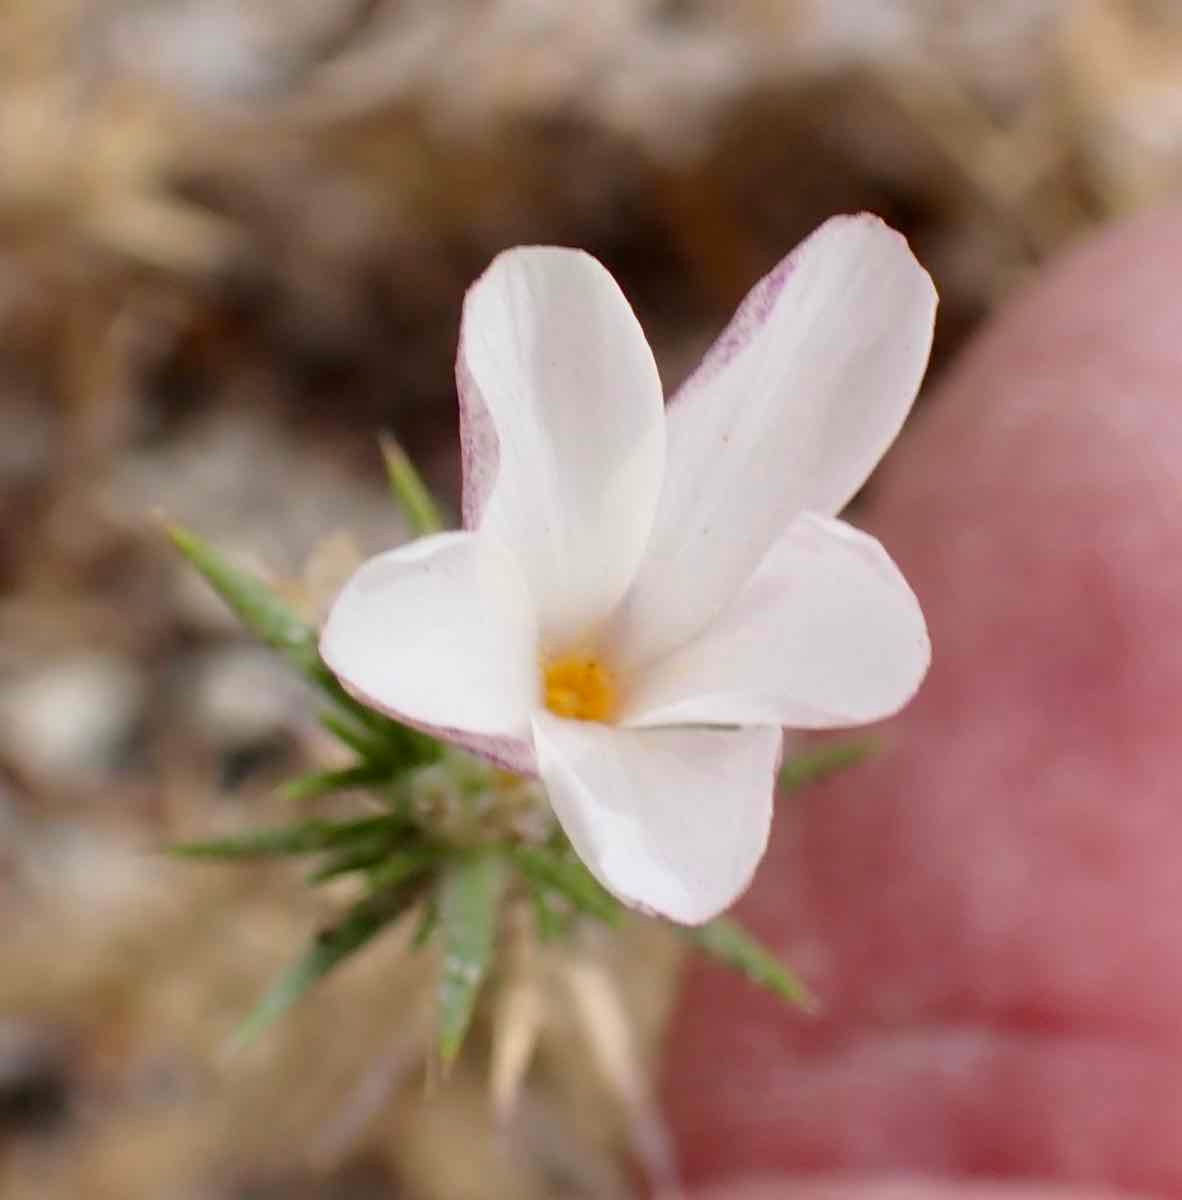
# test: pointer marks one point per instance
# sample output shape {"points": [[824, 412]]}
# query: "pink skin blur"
{"points": [[992, 910]]}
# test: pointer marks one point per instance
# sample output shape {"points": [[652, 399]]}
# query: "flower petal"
{"points": [[441, 634], [791, 410], [563, 428], [673, 821], [825, 633]]}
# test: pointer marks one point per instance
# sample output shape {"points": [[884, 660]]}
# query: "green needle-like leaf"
{"points": [[552, 922], [359, 925], [322, 783], [733, 946], [270, 618], [403, 864], [259, 608], [560, 871], [364, 742], [367, 854], [306, 837], [409, 491], [428, 922], [346, 863], [825, 760], [469, 909]]}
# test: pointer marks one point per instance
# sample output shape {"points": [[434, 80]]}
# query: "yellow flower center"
{"points": [[579, 687]]}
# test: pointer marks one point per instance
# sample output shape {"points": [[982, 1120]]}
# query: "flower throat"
{"points": [[579, 687]]}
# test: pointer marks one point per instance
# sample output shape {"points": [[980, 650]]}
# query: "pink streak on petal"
{"points": [[479, 445], [755, 309]]}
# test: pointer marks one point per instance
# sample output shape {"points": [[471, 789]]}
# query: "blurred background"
{"points": [[234, 237]]}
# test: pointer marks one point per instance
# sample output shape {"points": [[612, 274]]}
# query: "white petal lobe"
{"points": [[673, 821], [441, 634], [826, 633], [563, 430], [791, 411]]}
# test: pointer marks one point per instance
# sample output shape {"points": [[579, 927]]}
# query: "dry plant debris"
{"points": [[233, 236]]}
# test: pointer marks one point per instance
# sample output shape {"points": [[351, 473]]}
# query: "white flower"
{"points": [[643, 596]]}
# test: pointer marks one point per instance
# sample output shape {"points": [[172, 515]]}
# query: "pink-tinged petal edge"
{"points": [[747, 321], [561, 412], [479, 446], [438, 635], [832, 399], [509, 754], [825, 634], [672, 821], [758, 305]]}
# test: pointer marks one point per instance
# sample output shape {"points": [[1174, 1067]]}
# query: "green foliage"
{"points": [[363, 855], [331, 947], [259, 608], [734, 947], [409, 491], [556, 869], [824, 760], [304, 837], [403, 864], [271, 619], [323, 783], [552, 921], [469, 909], [428, 922], [364, 742]]}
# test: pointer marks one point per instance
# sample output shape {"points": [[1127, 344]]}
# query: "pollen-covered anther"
{"points": [[579, 687]]}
